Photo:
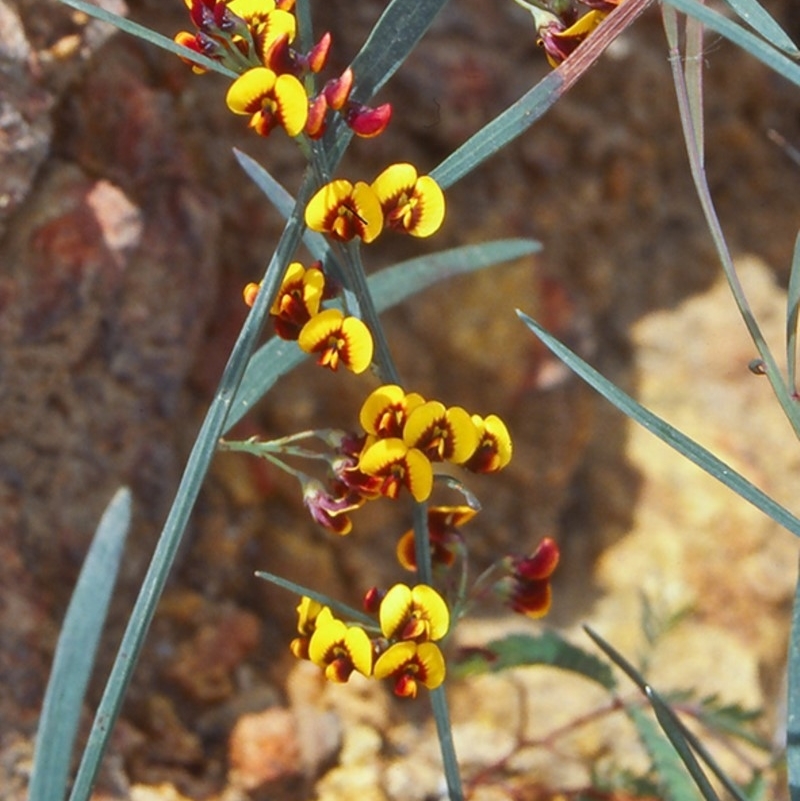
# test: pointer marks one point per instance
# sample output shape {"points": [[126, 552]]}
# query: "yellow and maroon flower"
{"points": [[345, 211], [442, 434], [443, 525], [337, 339], [411, 664], [298, 299], [271, 100], [494, 448], [419, 614], [527, 587], [411, 204], [265, 24], [398, 466], [339, 649], [385, 411], [307, 612]]}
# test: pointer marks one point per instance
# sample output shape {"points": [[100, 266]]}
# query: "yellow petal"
{"points": [[358, 348], [430, 208], [394, 181], [325, 204], [585, 25], [247, 93], [329, 632], [379, 403], [278, 23], [395, 609], [433, 608], [318, 330], [393, 659], [250, 9], [432, 662], [292, 102], [464, 438], [368, 208], [420, 475], [360, 649]]}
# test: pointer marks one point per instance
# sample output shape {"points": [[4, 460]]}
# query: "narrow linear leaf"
{"points": [[76, 650], [517, 118], [504, 128], [141, 32], [402, 24], [663, 712], [763, 23], [793, 703], [664, 431], [792, 309], [395, 35], [346, 611], [389, 287], [672, 779], [749, 42], [518, 650]]}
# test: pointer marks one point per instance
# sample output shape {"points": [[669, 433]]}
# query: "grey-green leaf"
{"points": [[763, 23], [665, 432], [75, 652], [755, 45], [671, 775]]}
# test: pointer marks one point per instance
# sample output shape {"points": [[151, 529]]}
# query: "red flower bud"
{"points": [[367, 122], [317, 111], [337, 90], [317, 57]]}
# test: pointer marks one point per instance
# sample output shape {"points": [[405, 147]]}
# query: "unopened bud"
{"points": [[317, 57], [372, 600], [337, 90], [317, 111], [250, 292], [367, 122]]}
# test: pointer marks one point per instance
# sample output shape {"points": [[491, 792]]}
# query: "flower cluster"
{"points": [[398, 198], [404, 435], [522, 583], [410, 622], [254, 39], [297, 314], [561, 27]]}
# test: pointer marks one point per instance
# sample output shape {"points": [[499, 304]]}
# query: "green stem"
{"points": [[444, 730], [354, 270]]}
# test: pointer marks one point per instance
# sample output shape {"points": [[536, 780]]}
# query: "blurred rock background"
{"points": [[126, 233]]}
